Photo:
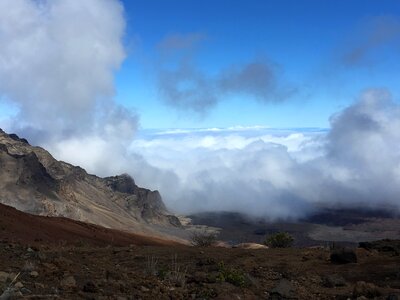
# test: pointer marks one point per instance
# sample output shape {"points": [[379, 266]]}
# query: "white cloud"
{"points": [[57, 60], [274, 173]]}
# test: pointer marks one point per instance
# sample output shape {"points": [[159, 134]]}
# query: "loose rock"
{"points": [[284, 290], [333, 280], [34, 274], [68, 282], [4, 276]]}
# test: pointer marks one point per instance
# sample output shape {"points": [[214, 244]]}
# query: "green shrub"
{"points": [[279, 240], [231, 275]]}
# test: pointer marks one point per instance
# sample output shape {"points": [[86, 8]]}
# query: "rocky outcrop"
{"points": [[33, 181]]}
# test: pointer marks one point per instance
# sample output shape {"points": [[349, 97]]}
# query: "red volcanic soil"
{"points": [[23, 228]]}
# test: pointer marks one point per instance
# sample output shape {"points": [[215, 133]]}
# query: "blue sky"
{"points": [[306, 40]]}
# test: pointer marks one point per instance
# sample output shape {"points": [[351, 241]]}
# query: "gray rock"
{"points": [[333, 280], [25, 291], [284, 290], [10, 294]]}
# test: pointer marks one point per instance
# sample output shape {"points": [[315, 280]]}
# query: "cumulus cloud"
{"points": [[57, 61], [375, 32], [184, 86], [283, 174]]}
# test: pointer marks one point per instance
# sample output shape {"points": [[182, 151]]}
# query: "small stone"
{"points": [[144, 289], [34, 274], [38, 285], [333, 280], [49, 266], [25, 291], [4, 276], [18, 285], [68, 282], [284, 289]]}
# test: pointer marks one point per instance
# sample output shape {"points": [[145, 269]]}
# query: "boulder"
{"points": [[284, 290], [333, 280]]}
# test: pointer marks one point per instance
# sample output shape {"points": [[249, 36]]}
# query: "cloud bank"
{"points": [[282, 173]]}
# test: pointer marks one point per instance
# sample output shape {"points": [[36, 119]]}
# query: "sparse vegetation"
{"points": [[151, 265], [203, 239], [175, 273], [231, 275], [279, 240]]}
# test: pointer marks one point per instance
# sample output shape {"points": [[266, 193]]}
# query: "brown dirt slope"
{"points": [[17, 226]]}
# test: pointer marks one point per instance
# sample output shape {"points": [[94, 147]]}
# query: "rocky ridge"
{"points": [[33, 181]]}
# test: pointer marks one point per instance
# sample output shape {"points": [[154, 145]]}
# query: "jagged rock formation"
{"points": [[31, 180]]}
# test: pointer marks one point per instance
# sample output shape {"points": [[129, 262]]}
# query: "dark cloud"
{"points": [[375, 33], [184, 86], [258, 79], [187, 88], [181, 41]]}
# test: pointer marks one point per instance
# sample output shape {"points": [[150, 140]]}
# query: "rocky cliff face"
{"points": [[33, 181]]}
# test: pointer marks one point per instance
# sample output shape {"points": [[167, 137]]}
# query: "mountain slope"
{"points": [[32, 181], [17, 226]]}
